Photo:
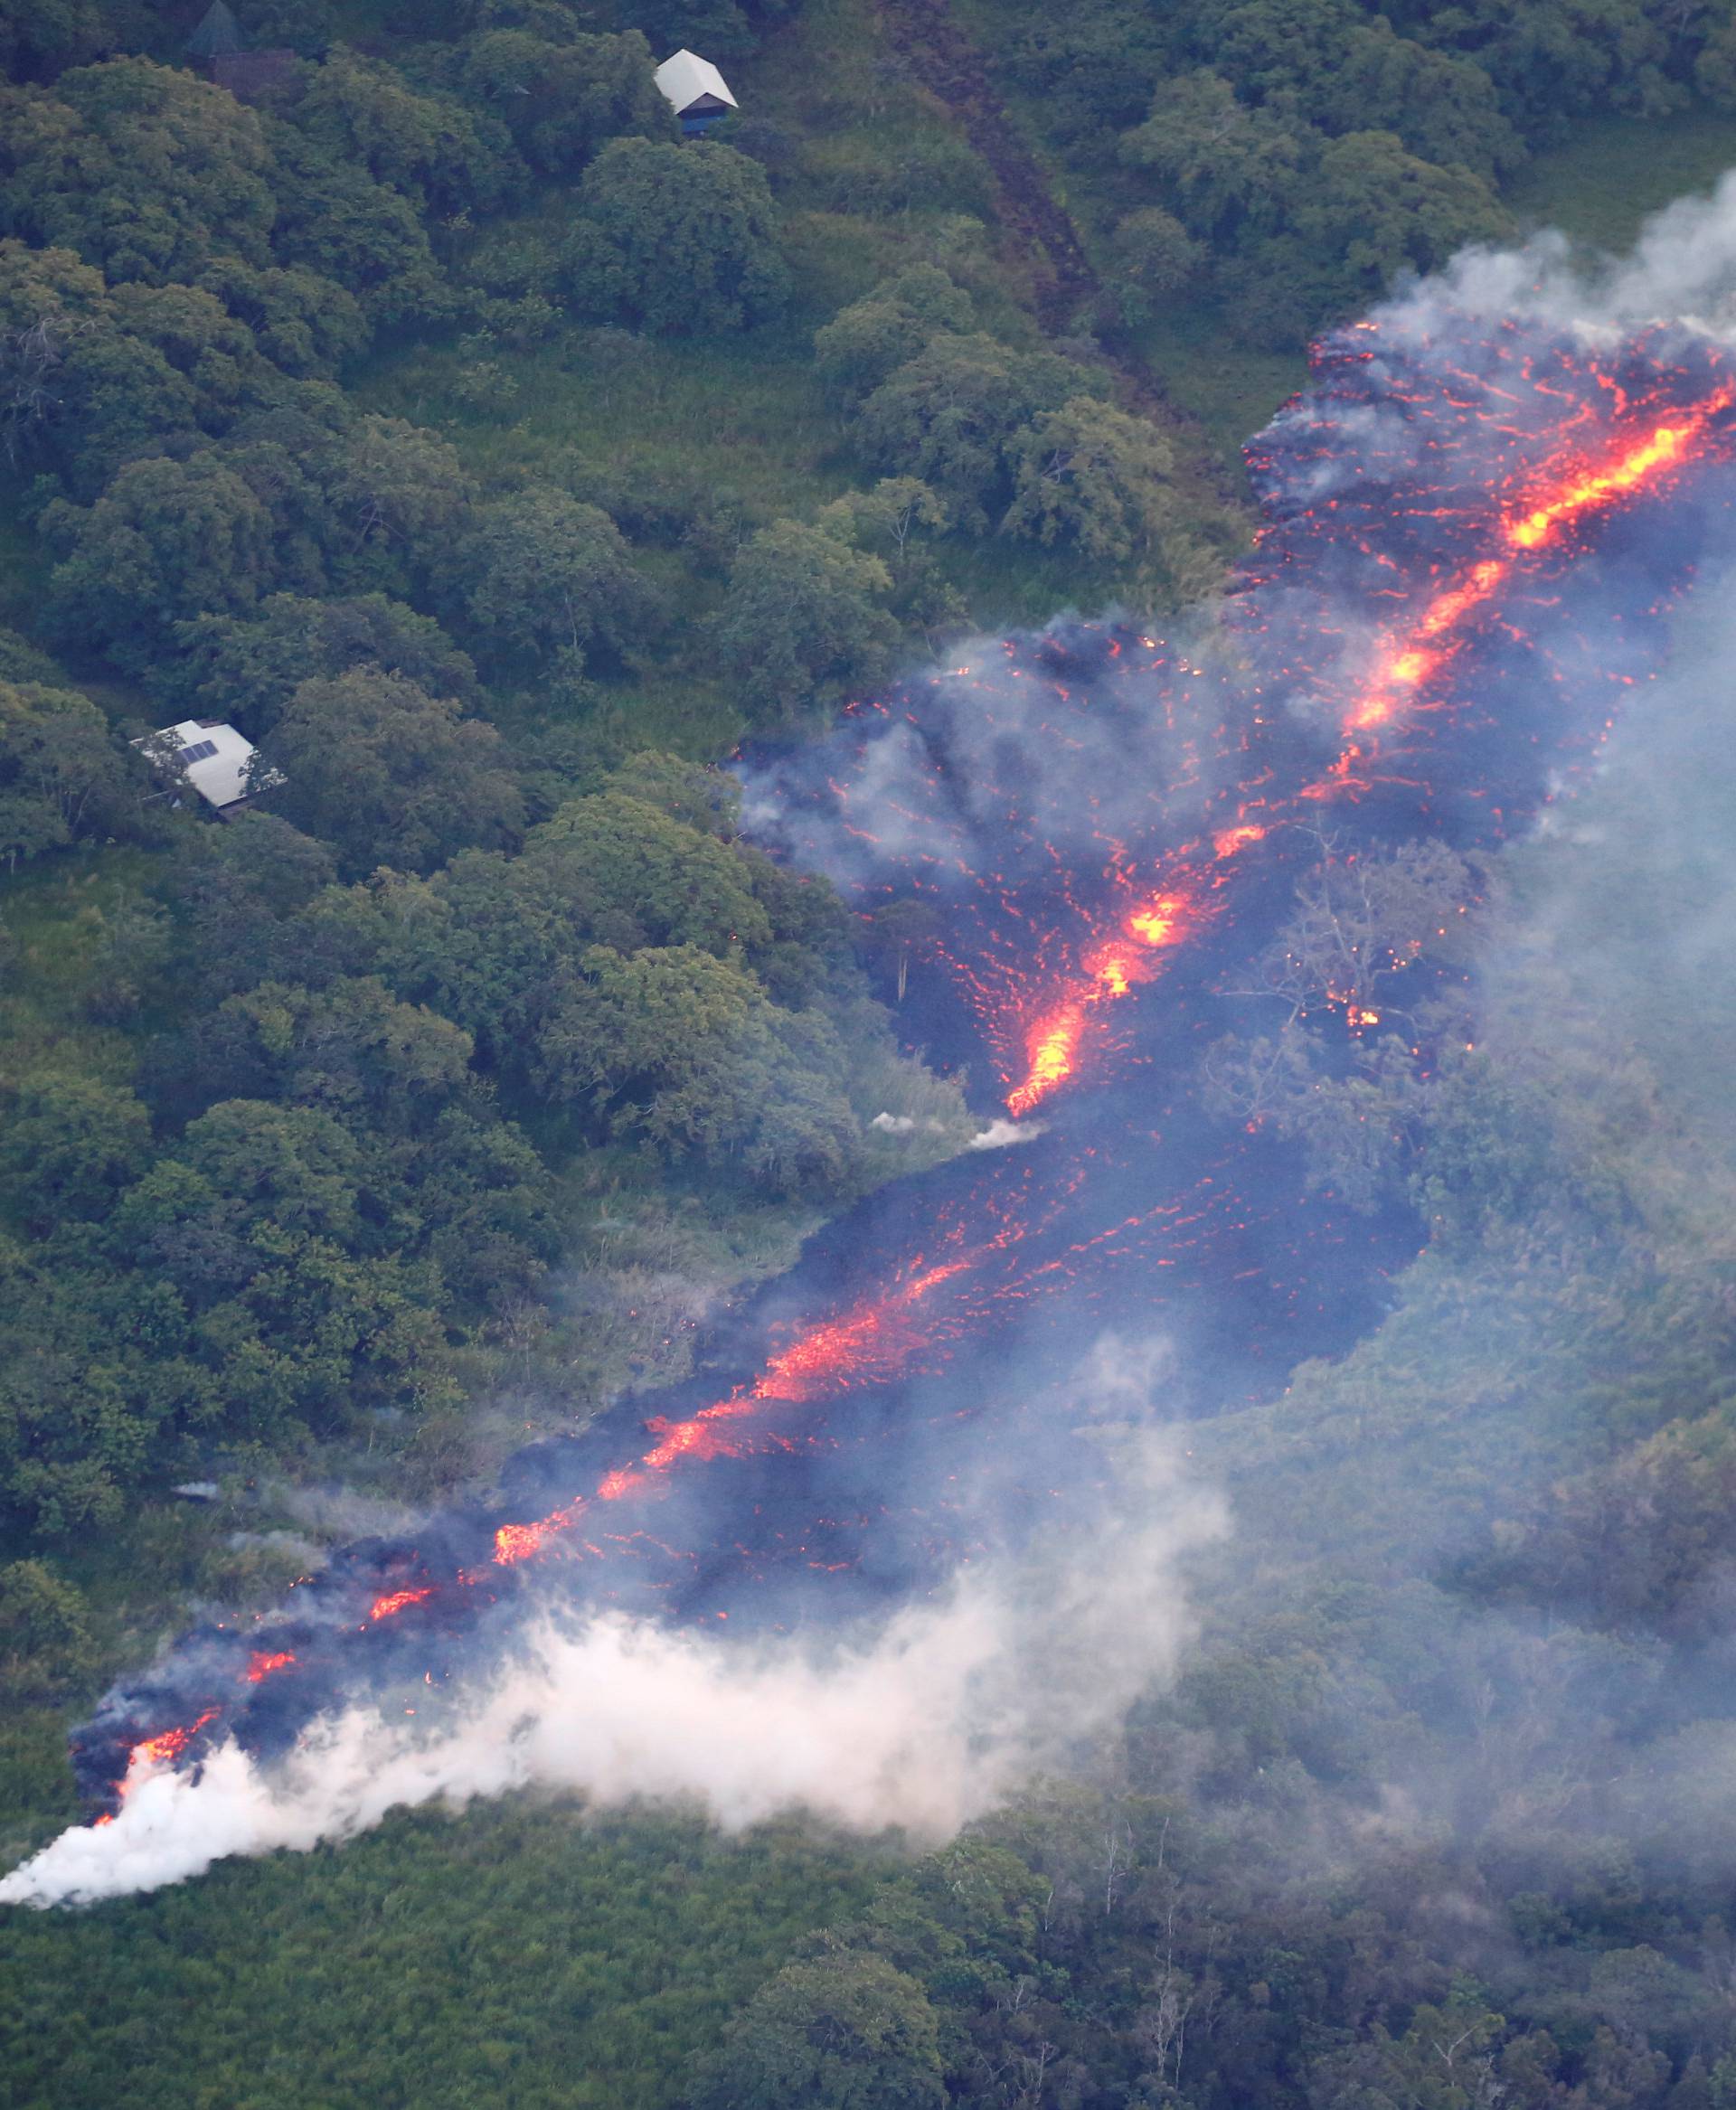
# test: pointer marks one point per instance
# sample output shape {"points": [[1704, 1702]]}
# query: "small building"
{"points": [[207, 757], [218, 34], [249, 76], [697, 91]]}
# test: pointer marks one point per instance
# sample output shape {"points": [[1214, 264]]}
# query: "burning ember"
{"points": [[1469, 550], [396, 1601]]}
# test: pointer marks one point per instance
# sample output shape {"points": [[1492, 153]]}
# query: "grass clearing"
{"points": [[1615, 172], [53, 918], [743, 416]]}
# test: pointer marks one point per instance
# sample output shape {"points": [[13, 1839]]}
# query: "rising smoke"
{"points": [[920, 1724], [1105, 824]]}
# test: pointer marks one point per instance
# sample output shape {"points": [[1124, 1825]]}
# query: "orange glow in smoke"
{"points": [[261, 1666], [394, 1601], [515, 1543], [1228, 842], [1051, 1048], [866, 1345], [1415, 659], [1056, 1037]]}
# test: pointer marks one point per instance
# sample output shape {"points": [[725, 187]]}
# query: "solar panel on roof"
{"points": [[199, 751]]}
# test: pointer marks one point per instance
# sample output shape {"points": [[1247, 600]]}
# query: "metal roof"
{"points": [[687, 78], [219, 31], [214, 756]]}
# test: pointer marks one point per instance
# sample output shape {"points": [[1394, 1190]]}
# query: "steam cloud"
{"points": [[922, 1724]]}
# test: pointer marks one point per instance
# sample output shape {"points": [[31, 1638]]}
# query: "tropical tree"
{"points": [[675, 239], [1091, 475], [542, 572], [69, 1143], [948, 415], [870, 340], [62, 777], [143, 170], [39, 38], [566, 95], [45, 1640], [246, 668], [843, 2031], [1227, 165], [803, 614], [429, 146], [387, 774], [1155, 256], [1382, 210], [166, 541]]}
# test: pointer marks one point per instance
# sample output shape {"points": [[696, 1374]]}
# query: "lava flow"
{"points": [[1569, 484], [1110, 969], [1472, 545]]}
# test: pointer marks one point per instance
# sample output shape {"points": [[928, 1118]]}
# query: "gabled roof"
{"points": [[219, 31], [687, 78], [213, 755]]}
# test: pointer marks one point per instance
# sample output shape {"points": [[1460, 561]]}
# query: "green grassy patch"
{"points": [[1232, 389], [54, 918], [1616, 171], [742, 415]]}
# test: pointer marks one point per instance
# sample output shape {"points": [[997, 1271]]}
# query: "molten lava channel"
{"points": [[1564, 491], [1055, 1021]]}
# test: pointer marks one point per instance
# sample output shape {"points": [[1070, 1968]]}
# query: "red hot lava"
{"points": [[396, 1601], [873, 1340], [1583, 478]]}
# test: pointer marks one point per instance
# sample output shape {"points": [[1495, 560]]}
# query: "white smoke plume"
{"points": [[1681, 269], [922, 1725], [1002, 1133]]}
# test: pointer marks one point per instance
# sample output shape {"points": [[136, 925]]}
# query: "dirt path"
{"points": [[947, 60]]}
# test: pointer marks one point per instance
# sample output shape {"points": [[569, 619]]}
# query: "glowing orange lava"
{"points": [[1052, 1045], [1665, 445], [1055, 1038], [161, 1749], [1413, 662], [515, 1543], [1112, 970], [261, 1666], [1577, 490], [1228, 842], [395, 1601], [870, 1343]]}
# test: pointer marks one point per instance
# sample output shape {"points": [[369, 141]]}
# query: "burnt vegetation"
{"points": [[495, 460]]}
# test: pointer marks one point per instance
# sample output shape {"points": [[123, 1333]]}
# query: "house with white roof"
{"points": [[697, 91], [207, 756]]}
